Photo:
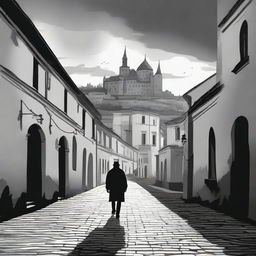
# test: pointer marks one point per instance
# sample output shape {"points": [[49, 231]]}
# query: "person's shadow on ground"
{"points": [[102, 241]]}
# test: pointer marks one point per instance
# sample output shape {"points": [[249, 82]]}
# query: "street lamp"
{"points": [[183, 139]]}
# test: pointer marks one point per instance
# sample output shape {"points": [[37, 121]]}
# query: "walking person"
{"points": [[116, 186]]}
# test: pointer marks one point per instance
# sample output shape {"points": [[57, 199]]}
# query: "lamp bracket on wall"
{"points": [[38, 117]]}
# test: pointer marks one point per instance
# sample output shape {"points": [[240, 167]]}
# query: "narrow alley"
{"points": [[153, 221]]}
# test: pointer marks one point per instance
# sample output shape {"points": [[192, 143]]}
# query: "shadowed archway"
{"points": [[35, 157], [84, 170], [239, 176], [63, 166], [212, 156], [90, 171]]}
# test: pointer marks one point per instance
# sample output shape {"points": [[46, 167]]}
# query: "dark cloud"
{"points": [[180, 26], [172, 25], [93, 71]]}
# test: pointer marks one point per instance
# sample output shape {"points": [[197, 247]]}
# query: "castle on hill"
{"points": [[141, 82]]}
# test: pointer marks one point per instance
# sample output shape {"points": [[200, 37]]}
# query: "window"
{"points": [[83, 119], [177, 133], [65, 101], [154, 139], [143, 138], [243, 43], [212, 156], [143, 120], [74, 153], [93, 128], [47, 83], [117, 146], [35, 74], [154, 122]]}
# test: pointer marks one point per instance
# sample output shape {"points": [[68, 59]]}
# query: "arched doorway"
{"points": [[165, 170], [212, 156], [239, 183], [161, 178], [145, 171], [84, 170], [63, 166], [90, 171], [35, 156]]}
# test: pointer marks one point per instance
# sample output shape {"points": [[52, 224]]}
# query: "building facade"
{"points": [[112, 148], [141, 82], [142, 131], [48, 148], [169, 163], [221, 122]]}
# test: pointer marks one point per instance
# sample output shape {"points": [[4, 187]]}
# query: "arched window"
{"points": [[165, 170], [74, 153], [243, 45], [244, 41], [161, 177], [212, 156]]}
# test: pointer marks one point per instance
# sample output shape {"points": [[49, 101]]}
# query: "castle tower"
{"points": [[158, 81], [124, 70], [144, 71]]}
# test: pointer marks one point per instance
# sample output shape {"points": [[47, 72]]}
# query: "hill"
{"points": [[167, 106]]}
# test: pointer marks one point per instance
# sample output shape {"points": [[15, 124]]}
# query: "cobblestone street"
{"points": [[152, 222]]}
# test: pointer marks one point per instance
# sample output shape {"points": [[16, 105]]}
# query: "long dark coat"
{"points": [[116, 183]]}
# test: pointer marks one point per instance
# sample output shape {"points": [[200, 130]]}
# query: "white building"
{"points": [[111, 148], [48, 146], [221, 147], [142, 131], [170, 159], [141, 82]]}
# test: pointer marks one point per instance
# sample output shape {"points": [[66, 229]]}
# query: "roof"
{"points": [[27, 30], [216, 89], [192, 89], [144, 66], [113, 79], [158, 72], [231, 12], [176, 120], [132, 75]]}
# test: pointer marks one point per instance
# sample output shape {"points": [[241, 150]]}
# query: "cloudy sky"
{"points": [[89, 36]]}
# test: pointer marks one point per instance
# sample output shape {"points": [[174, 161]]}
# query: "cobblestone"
{"points": [[152, 222]]}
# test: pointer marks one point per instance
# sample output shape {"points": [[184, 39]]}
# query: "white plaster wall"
{"points": [[171, 138], [148, 127], [13, 50], [240, 90], [175, 165], [14, 140], [202, 88], [236, 99], [14, 172]]}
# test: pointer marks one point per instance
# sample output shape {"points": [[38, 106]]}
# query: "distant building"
{"points": [[169, 166], [141, 82], [142, 131]]}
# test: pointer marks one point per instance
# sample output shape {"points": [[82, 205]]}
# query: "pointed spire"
{"points": [[158, 72], [124, 64]]}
